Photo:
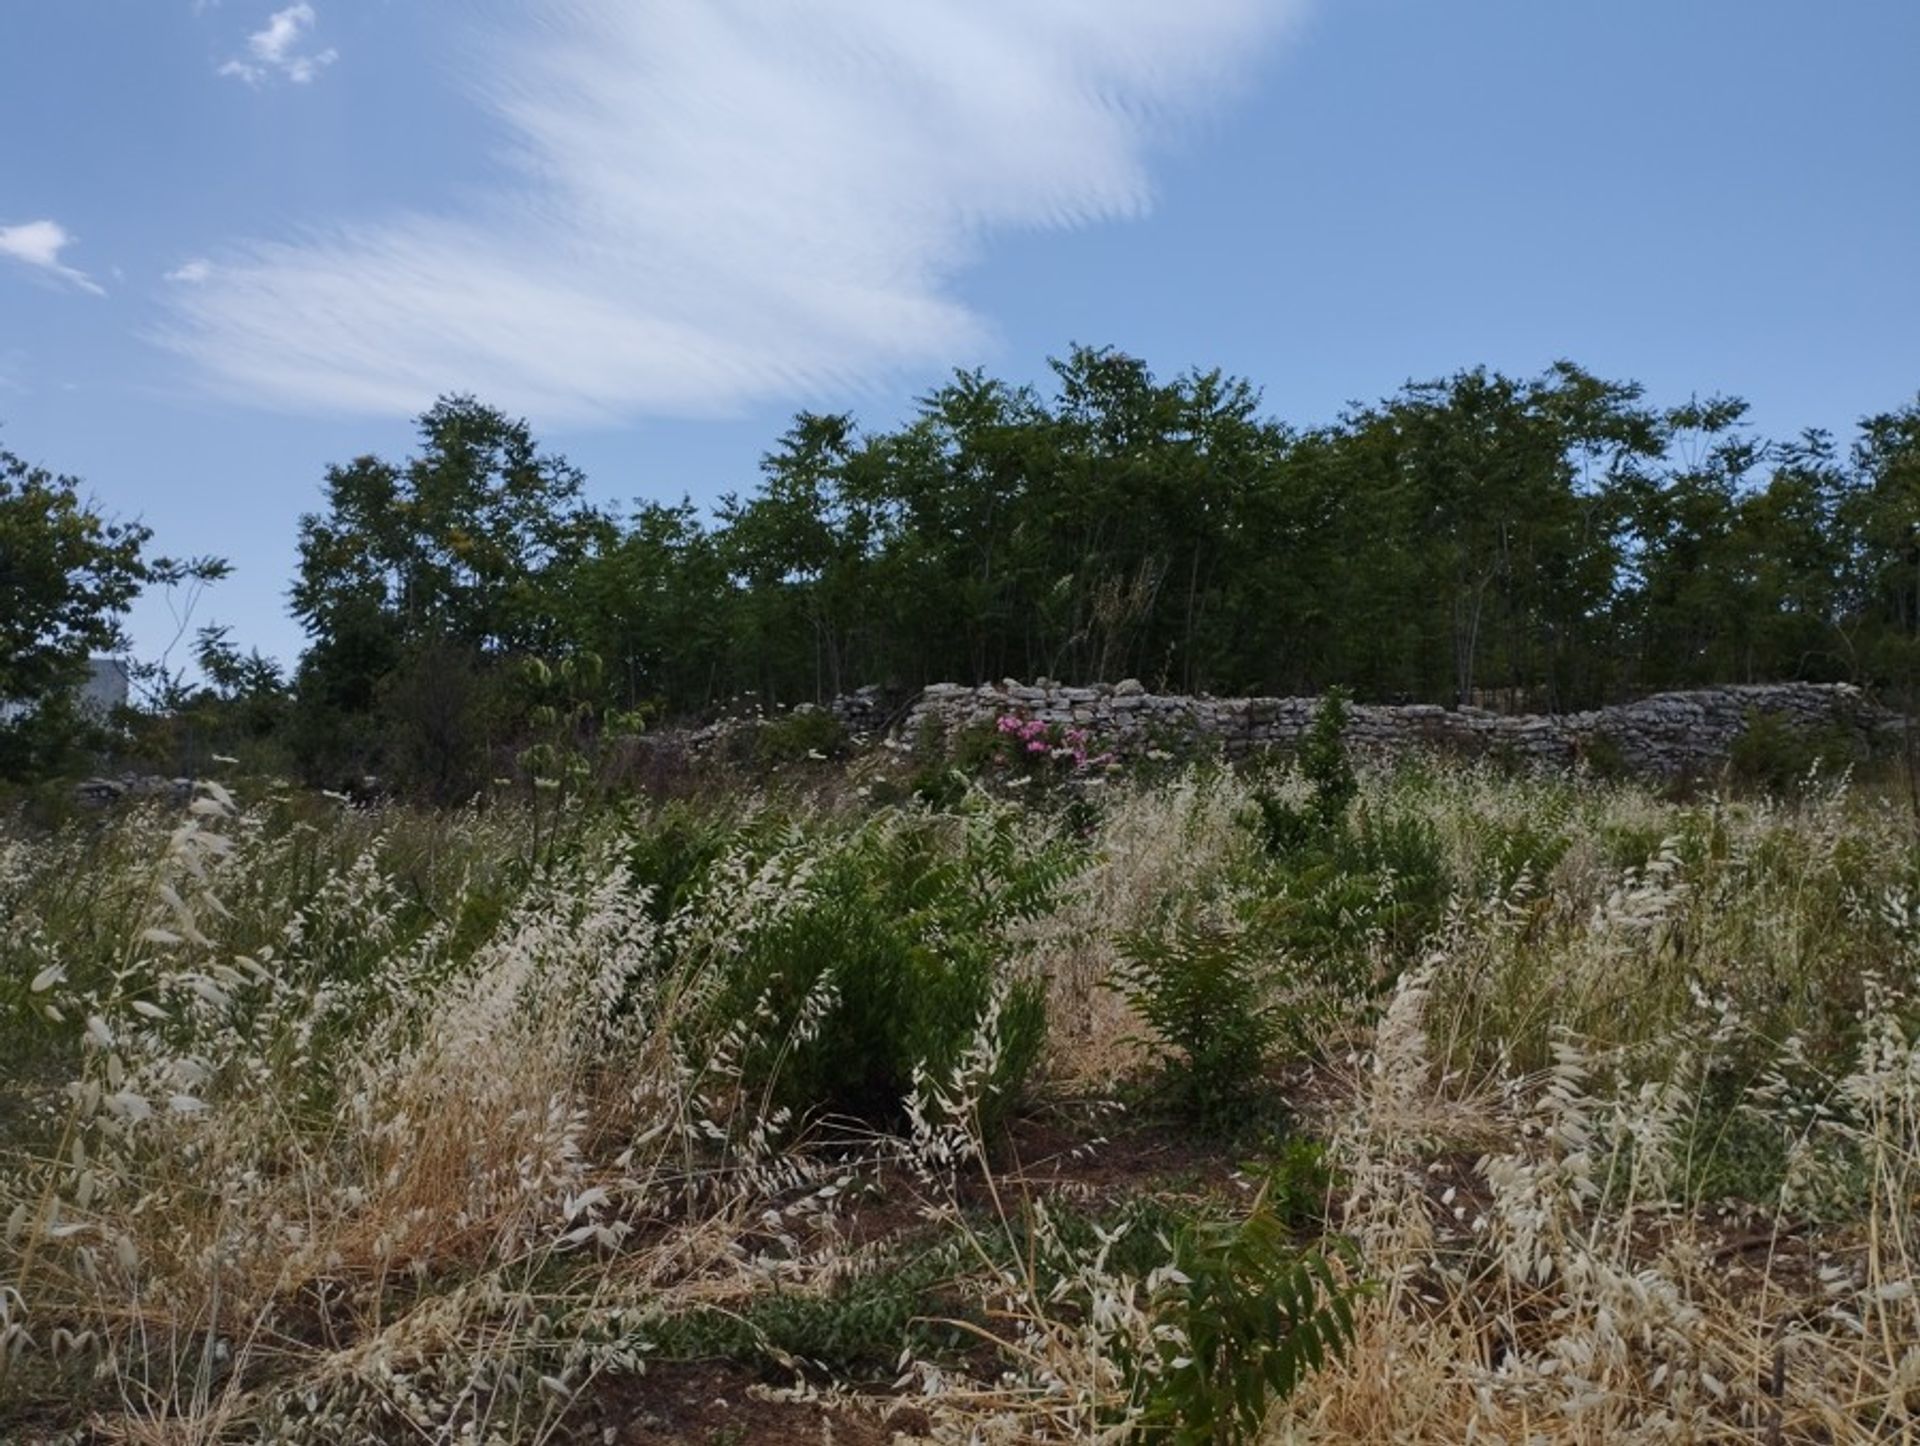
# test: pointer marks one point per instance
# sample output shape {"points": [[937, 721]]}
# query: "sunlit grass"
{"points": [[320, 1124]]}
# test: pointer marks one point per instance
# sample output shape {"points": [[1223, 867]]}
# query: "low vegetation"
{"points": [[1299, 1103]]}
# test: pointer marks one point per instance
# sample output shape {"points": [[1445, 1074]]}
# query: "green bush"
{"points": [[1601, 755], [857, 1329], [1322, 761], [807, 733], [1779, 755], [1251, 1316], [672, 852], [1326, 901], [1203, 993], [1529, 849], [889, 961], [945, 764], [1296, 1179], [1403, 856]]}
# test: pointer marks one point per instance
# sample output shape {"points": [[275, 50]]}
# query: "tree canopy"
{"points": [[1544, 542], [1552, 541], [67, 574]]}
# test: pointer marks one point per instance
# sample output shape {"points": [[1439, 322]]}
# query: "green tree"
{"points": [[67, 576], [463, 555], [658, 606], [1550, 541], [472, 539], [1881, 521]]}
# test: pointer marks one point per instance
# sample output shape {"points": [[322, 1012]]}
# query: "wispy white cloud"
{"points": [[191, 273], [713, 202], [38, 244], [276, 48]]}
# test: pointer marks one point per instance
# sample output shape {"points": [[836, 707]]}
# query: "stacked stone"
{"points": [[102, 792], [1670, 733], [863, 712]]}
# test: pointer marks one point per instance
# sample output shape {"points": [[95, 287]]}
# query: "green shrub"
{"points": [[1325, 904], [1601, 755], [1282, 828], [1322, 761], [807, 733], [1203, 993], [1509, 852], [856, 1329], [1251, 1316], [1296, 1179], [671, 852], [1403, 855], [944, 764], [1777, 754], [890, 961]]}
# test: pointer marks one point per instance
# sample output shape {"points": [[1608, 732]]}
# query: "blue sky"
{"points": [[240, 239]]}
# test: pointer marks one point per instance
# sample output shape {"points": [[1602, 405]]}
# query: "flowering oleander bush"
{"points": [[1031, 743]]}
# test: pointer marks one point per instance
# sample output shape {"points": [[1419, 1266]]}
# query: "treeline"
{"points": [[1546, 542], [1556, 538]]}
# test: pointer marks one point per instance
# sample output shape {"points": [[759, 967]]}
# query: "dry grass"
{"points": [[390, 1127], [1160, 851]]}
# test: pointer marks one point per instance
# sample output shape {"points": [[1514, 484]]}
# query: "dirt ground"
{"points": [[712, 1403]]}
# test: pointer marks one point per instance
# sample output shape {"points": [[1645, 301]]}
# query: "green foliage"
{"points": [[1322, 761], [437, 714], [1733, 1154], [67, 574], [1403, 853], [944, 765], [467, 541], [1204, 992], [1776, 754], [1546, 542], [855, 1330], [1714, 993], [1296, 1177], [893, 959], [1526, 850], [417, 580], [806, 733], [1336, 885], [562, 705], [1253, 1316], [671, 852], [1602, 757], [237, 713]]}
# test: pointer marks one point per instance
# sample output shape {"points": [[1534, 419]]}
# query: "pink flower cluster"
{"points": [[1035, 735], [1044, 740]]}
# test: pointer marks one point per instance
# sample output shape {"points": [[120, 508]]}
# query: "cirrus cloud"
{"points": [[715, 202]]}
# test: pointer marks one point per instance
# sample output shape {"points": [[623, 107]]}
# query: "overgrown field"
{"points": [[1423, 1104]]}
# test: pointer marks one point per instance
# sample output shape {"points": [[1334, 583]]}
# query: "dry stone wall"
{"points": [[1669, 733]]}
